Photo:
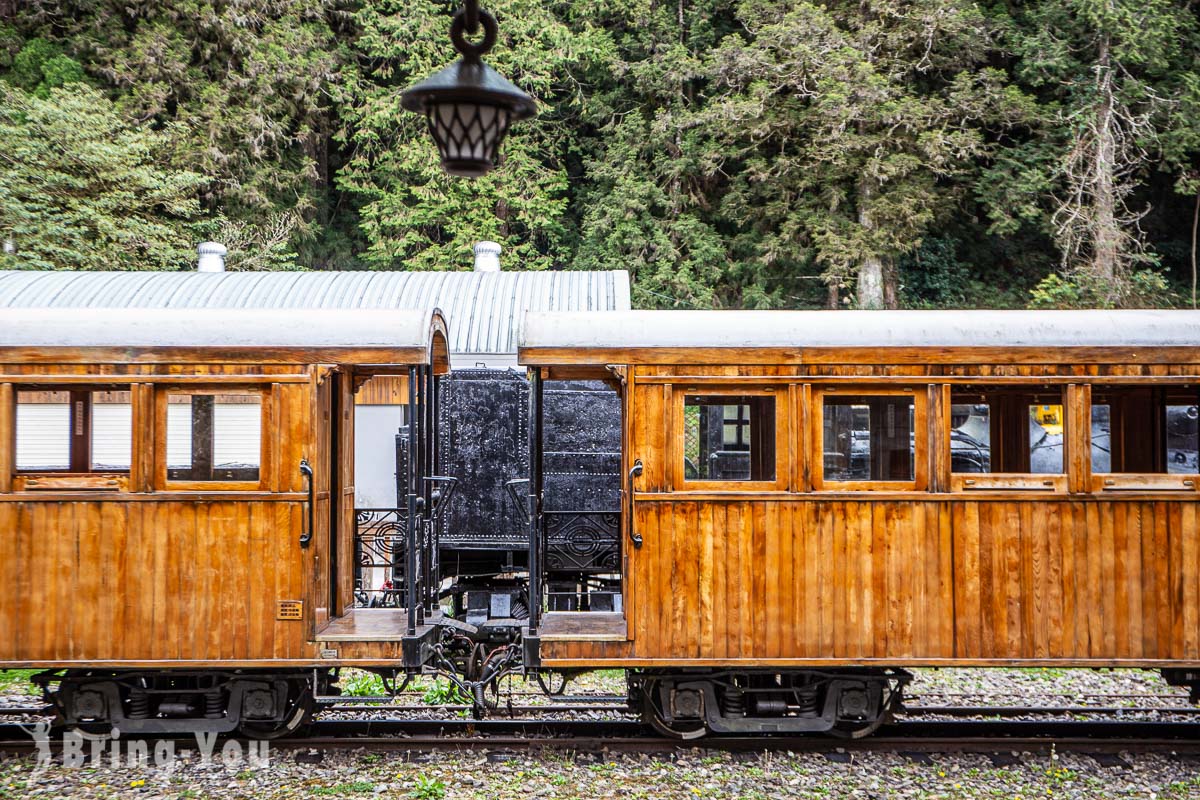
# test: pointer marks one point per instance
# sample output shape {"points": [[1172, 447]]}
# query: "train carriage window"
{"points": [[1140, 430], [868, 438], [75, 431], [729, 438], [214, 436], [1007, 431]]}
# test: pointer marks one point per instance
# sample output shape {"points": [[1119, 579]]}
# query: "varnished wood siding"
{"points": [[385, 390], [1075, 580], [159, 575], [911, 582], [120, 581], [736, 580], [937, 577]]}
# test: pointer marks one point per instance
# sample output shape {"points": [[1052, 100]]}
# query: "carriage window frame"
{"points": [[1021, 481], [162, 479], [80, 445], [1159, 397], [680, 483], [920, 479]]}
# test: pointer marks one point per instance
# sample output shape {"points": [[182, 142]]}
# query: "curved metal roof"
{"points": [[483, 309], [158, 335], [680, 336]]}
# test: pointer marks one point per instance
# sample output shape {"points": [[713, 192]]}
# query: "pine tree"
{"points": [[84, 188], [413, 215], [1111, 76], [858, 125]]}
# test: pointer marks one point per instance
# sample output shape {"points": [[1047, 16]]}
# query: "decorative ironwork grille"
{"points": [[380, 539], [582, 541]]}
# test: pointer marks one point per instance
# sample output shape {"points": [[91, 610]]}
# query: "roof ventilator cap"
{"points": [[487, 257], [212, 257]]}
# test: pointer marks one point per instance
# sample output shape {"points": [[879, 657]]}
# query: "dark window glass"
{"points": [[729, 438], [868, 438], [1144, 430], [970, 437], [1182, 439], [214, 437], [1101, 438], [998, 430], [1046, 439]]}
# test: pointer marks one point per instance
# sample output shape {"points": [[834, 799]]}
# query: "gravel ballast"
{"points": [[687, 773]]}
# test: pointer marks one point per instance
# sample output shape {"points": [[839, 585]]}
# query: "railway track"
{"points": [[910, 712], [625, 735]]}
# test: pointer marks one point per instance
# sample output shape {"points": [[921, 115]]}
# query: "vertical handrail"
{"points": [[534, 500], [436, 495], [410, 577], [307, 472], [634, 536], [429, 579]]}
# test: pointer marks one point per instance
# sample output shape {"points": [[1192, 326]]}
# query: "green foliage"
{"points": [[16, 681], [933, 276], [343, 789], [355, 683], [428, 788], [410, 212], [728, 153], [1111, 78], [40, 66], [1143, 289], [85, 188], [444, 694]]}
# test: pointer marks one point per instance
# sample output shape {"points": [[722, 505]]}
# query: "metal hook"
{"points": [[473, 52], [472, 13]]}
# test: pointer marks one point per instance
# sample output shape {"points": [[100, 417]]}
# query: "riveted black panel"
{"points": [[484, 444]]}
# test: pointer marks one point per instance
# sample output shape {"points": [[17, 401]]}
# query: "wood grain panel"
{"points": [[114, 581], [737, 580], [1097, 580]]}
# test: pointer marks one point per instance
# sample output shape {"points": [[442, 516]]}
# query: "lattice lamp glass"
{"points": [[468, 105]]}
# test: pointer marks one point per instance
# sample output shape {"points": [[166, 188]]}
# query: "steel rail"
{"points": [[401, 733]]}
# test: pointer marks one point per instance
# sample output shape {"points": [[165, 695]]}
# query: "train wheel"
{"points": [[858, 730], [653, 716], [297, 719]]}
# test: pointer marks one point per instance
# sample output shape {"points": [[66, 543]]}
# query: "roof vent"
{"points": [[212, 257], [487, 257]]}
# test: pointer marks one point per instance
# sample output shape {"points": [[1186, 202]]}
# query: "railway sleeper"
{"points": [[848, 703], [257, 704]]}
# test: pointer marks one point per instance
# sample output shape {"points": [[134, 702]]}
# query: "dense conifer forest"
{"points": [[752, 154]]}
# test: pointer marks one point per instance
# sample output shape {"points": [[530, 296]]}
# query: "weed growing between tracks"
{"points": [[687, 774], [16, 682]]}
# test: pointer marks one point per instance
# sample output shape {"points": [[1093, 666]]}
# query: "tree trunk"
{"points": [[871, 273], [870, 282], [1106, 233]]}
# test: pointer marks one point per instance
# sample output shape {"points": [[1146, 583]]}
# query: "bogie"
{"points": [[688, 705], [258, 704]]}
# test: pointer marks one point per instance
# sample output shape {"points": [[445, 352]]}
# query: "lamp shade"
{"points": [[469, 107]]}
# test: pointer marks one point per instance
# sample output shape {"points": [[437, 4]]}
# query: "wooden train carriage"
{"points": [[177, 491], [817, 492]]}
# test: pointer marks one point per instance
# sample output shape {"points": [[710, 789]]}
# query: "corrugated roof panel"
{"points": [[483, 310], [716, 330]]}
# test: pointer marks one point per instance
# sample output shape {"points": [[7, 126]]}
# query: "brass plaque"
{"points": [[290, 609]]}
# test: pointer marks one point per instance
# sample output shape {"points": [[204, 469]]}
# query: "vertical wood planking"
{"points": [[7, 436]]}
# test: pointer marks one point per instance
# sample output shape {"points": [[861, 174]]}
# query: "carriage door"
{"points": [[341, 523], [333, 491]]}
